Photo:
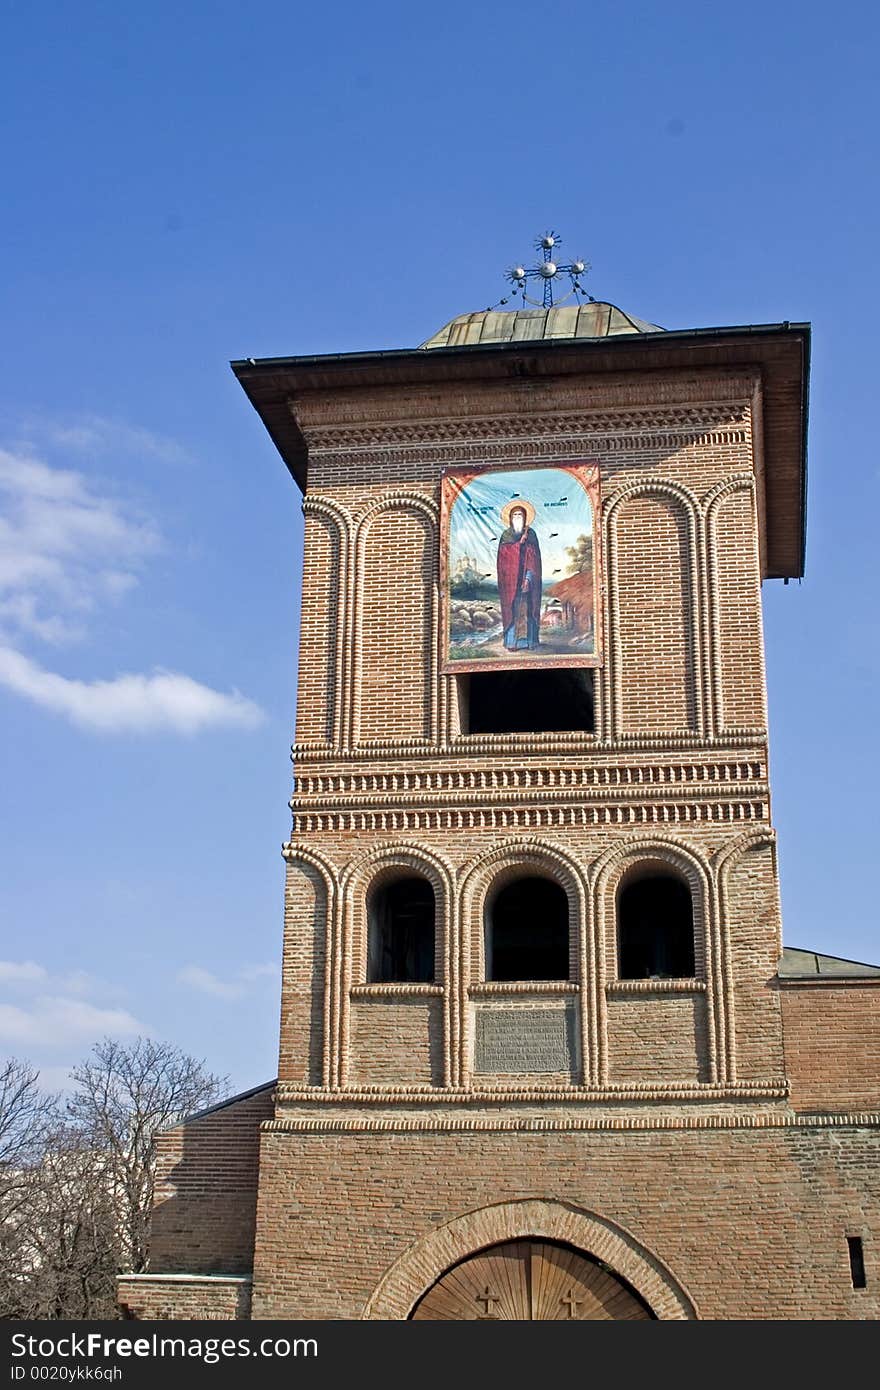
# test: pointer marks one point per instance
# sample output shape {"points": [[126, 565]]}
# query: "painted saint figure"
{"points": [[519, 577]]}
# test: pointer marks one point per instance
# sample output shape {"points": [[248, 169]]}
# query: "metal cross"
{"points": [[547, 270], [573, 1303], [487, 1298]]}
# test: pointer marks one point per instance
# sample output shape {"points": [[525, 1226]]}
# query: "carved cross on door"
{"points": [[573, 1303]]}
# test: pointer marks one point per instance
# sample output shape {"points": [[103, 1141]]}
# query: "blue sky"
{"points": [[185, 184]]}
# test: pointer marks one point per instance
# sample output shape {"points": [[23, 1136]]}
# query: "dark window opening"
{"points": [[401, 932], [655, 929], [527, 932], [527, 702], [856, 1262]]}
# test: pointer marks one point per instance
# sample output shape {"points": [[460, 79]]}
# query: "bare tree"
{"points": [[27, 1116], [68, 1248], [125, 1094]]}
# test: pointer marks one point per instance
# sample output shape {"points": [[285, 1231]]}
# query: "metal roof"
{"points": [[593, 320], [797, 964]]}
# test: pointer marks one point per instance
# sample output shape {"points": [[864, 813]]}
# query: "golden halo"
{"points": [[512, 506]]}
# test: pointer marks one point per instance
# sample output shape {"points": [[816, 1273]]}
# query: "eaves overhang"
{"points": [[780, 353]]}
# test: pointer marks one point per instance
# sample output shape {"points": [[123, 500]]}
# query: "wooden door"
{"points": [[528, 1280]]}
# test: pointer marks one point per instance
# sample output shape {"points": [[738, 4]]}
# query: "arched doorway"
{"points": [[531, 1281]]}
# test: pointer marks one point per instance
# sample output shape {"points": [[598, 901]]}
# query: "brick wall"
{"points": [[832, 1044], [657, 1037], [149, 1298], [206, 1190], [752, 1221]]}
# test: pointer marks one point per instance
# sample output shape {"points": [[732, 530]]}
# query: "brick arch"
{"points": [[325, 620], [402, 851], [477, 880], [697, 695], [685, 856], [616, 862], [725, 862], [737, 482], [297, 854], [491, 868], [555, 858], [356, 881], [422, 710], [359, 877], [329, 507], [294, 852], [734, 618], [659, 485], [540, 1218], [606, 875], [399, 497]]}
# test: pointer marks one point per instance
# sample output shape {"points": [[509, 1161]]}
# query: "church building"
{"points": [[543, 1054]]}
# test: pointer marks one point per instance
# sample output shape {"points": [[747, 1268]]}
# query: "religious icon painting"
{"points": [[520, 569]]}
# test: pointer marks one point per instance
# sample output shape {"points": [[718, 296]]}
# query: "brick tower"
{"points": [[542, 1054]]}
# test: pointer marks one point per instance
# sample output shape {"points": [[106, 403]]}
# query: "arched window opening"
{"points": [[655, 928], [527, 932], [400, 917]]}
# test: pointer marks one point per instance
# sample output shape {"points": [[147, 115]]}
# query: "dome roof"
{"points": [[523, 325]]}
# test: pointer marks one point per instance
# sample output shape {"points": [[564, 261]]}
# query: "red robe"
{"points": [[519, 587]]}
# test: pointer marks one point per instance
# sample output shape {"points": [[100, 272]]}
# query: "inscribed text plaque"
{"points": [[523, 1041]]}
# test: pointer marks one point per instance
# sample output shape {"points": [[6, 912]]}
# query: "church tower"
{"points": [[542, 1053]]}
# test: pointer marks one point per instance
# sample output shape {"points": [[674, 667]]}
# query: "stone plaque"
{"points": [[520, 1040]]}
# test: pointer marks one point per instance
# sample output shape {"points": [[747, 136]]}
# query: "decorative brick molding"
{"points": [[644, 1122], [625, 672], [425, 510], [548, 1092], [543, 1219], [606, 876], [728, 651], [706, 1050], [355, 881], [332, 697], [401, 786], [487, 871]]}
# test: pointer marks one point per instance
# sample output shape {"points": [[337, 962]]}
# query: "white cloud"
{"points": [[164, 701], [64, 547], [97, 434], [55, 1021], [49, 1011], [21, 972], [260, 972], [206, 982], [28, 977]]}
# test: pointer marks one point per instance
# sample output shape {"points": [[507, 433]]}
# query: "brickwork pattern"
{"points": [[737, 944], [832, 1044], [778, 1203], [161, 1298], [205, 1192]]}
